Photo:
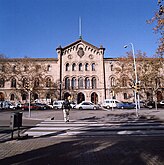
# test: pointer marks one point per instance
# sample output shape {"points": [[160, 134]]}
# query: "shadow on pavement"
{"points": [[93, 151], [85, 150]]}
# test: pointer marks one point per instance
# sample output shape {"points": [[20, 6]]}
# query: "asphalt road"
{"points": [[114, 150]]}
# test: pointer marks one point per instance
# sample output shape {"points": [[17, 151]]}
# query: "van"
{"points": [[58, 104], [6, 105], [109, 103]]}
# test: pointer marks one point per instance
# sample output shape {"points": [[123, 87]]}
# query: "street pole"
{"points": [[136, 78], [29, 110]]}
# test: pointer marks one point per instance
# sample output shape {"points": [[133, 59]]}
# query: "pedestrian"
{"points": [[66, 108]]}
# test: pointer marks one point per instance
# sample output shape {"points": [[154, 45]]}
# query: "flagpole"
{"points": [[80, 28]]}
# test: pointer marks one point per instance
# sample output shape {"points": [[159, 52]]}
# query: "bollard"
{"points": [[15, 122]]}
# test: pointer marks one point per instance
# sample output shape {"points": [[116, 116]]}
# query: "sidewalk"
{"points": [[101, 115], [89, 150]]}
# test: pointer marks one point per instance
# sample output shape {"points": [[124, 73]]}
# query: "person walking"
{"points": [[66, 108]]}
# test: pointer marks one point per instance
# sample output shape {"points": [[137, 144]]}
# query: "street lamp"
{"points": [[29, 90], [29, 108], [136, 79]]}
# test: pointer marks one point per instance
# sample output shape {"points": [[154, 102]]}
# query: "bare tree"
{"points": [[149, 72], [159, 27], [2, 56], [26, 74]]}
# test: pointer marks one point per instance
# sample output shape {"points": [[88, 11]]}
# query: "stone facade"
{"points": [[79, 71]]}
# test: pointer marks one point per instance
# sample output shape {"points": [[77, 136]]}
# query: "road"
{"points": [[92, 137]]}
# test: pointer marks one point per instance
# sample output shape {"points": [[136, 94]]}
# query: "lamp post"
{"points": [[136, 78], [28, 89], [29, 108]]}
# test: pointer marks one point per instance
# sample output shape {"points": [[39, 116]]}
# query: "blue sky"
{"points": [[35, 28]]}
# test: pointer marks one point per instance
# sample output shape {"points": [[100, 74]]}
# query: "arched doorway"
{"points": [[66, 95], [35, 96], [159, 96], [94, 98], [2, 97], [80, 97]]}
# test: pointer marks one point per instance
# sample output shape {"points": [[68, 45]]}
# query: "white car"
{"points": [[58, 104], [109, 103], [162, 102], [73, 104], [87, 105]]}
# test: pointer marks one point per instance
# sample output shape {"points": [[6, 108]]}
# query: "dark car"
{"points": [[42, 106], [150, 104], [125, 105], [161, 104], [26, 106]]}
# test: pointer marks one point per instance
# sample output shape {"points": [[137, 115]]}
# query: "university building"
{"points": [[80, 71]]}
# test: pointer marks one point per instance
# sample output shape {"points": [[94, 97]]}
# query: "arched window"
{"points": [[2, 68], [113, 83], [86, 67], [12, 96], [14, 68], [13, 83], [25, 68], [80, 67], [48, 82], [36, 96], [157, 82], [2, 82], [67, 67], [24, 82], [48, 67], [125, 96], [73, 67], [80, 82], [93, 83], [124, 82], [87, 83], [37, 67], [111, 67], [67, 83], [24, 96], [36, 82], [48, 96], [93, 66], [73, 83]]}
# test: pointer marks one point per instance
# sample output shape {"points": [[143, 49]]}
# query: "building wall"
{"points": [[91, 60], [94, 65]]}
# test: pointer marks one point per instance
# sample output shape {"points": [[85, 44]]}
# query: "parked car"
{"points": [[41, 106], [125, 105], [109, 103], [58, 104], [150, 104], [7, 105], [142, 104], [87, 105], [73, 104], [26, 106], [161, 104]]}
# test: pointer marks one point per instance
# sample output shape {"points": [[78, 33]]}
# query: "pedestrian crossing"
{"points": [[4, 134], [58, 128]]}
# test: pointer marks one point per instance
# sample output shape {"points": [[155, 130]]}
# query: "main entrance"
{"points": [[94, 98], [159, 96], [2, 97], [80, 97]]}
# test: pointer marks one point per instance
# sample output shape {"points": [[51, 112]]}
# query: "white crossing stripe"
{"points": [[58, 128]]}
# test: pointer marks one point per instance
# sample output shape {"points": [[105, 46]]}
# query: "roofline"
{"points": [[80, 40], [29, 59], [123, 58]]}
